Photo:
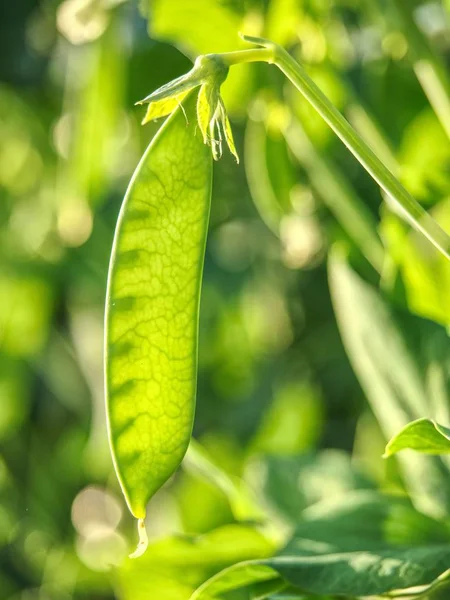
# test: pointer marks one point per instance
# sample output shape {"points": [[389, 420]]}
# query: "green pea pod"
{"points": [[152, 309]]}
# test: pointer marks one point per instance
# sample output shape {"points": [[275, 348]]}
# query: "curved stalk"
{"points": [[407, 205]]}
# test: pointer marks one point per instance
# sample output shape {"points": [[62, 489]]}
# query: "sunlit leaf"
{"points": [[425, 167], [423, 435], [25, 311], [185, 20], [163, 107], [95, 108], [207, 101], [227, 130], [215, 136], [423, 272]]}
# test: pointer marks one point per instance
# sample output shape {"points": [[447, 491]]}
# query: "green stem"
{"points": [[408, 206], [245, 56]]}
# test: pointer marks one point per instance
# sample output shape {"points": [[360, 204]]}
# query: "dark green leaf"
{"points": [[349, 573], [363, 520]]}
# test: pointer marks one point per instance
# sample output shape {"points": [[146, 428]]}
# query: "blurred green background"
{"points": [[286, 417]]}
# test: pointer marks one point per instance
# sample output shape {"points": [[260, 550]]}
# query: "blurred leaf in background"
{"points": [[299, 388]]}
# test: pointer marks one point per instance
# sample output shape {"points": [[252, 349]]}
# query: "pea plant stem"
{"points": [[407, 205]]}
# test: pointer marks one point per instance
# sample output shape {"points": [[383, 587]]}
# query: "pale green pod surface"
{"points": [[152, 307]]}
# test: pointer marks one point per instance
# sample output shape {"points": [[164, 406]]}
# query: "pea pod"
{"points": [[152, 309]]}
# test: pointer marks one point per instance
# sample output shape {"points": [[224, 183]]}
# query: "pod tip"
{"points": [[143, 540]]}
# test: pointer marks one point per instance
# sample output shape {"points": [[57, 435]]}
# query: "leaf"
{"points": [[424, 435], [292, 483], [242, 502], [25, 311], [347, 573], [290, 595], [291, 425], [208, 97], [172, 568], [391, 353], [236, 577], [425, 273], [215, 135], [152, 308], [163, 107], [204, 25], [96, 106], [363, 520], [259, 590], [227, 130], [174, 88], [425, 165], [264, 191], [364, 543]]}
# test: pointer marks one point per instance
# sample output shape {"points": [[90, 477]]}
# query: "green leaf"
{"points": [[173, 567], [201, 25], [398, 359], [215, 136], [424, 435], [363, 520], [260, 155], [242, 502], [25, 312], [292, 483], [213, 120], [163, 107], [347, 573], [183, 84], [208, 98], [97, 105], [227, 130], [425, 165], [152, 308], [236, 577], [424, 272], [290, 595]]}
